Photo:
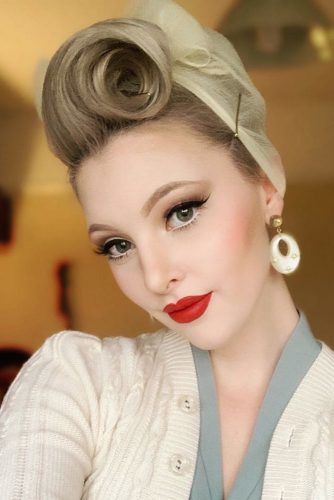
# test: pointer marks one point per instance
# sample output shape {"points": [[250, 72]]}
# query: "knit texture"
{"points": [[118, 418]]}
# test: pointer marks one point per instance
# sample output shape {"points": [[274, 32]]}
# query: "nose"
{"points": [[161, 270]]}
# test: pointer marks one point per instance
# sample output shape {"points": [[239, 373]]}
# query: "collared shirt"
{"points": [[299, 353]]}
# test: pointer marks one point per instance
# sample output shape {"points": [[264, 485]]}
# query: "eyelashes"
{"points": [[123, 245]]}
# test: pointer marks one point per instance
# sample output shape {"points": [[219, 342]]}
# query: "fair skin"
{"points": [[251, 313]]}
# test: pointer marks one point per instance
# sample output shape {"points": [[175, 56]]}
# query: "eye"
{"points": [[184, 212], [120, 246]]}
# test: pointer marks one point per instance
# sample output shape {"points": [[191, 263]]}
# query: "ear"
{"points": [[272, 201]]}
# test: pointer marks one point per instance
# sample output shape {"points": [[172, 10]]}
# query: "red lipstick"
{"points": [[189, 308]]}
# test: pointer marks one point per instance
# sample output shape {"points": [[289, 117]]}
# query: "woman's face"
{"points": [[158, 254]]}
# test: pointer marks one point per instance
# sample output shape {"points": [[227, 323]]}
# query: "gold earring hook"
{"points": [[276, 221]]}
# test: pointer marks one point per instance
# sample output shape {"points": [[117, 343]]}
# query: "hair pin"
{"points": [[236, 134]]}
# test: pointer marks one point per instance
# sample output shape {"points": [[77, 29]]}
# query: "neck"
{"points": [[247, 361]]}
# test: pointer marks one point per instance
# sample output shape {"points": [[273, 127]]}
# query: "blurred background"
{"points": [[49, 277]]}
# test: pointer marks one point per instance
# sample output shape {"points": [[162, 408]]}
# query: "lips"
{"points": [[183, 303], [193, 311]]}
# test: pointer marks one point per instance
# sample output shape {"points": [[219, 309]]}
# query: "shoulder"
{"points": [[68, 344], [91, 363], [84, 351]]}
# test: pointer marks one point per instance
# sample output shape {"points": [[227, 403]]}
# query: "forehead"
{"points": [[149, 153], [115, 185]]}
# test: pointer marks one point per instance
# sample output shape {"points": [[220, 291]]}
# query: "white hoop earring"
{"points": [[285, 264]]}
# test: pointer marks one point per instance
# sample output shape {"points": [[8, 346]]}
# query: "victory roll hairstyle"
{"points": [[121, 73]]}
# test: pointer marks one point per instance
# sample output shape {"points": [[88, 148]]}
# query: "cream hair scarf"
{"points": [[206, 63]]}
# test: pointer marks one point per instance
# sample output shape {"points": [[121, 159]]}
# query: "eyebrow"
{"points": [[150, 203]]}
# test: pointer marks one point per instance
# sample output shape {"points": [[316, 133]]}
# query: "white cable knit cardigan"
{"points": [[118, 419]]}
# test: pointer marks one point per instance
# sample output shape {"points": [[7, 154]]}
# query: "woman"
{"points": [[163, 134]]}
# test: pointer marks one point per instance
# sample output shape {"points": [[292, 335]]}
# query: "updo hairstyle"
{"points": [[116, 75]]}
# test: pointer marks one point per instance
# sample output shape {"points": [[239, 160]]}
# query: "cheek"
{"points": [[129, 283], [249, 254], [236, 234], [245, 234], [237, 244]]}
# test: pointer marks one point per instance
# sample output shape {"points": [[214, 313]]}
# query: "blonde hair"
{"points": [[113, 76]]}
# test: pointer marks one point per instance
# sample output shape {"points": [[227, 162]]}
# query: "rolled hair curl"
{"points": [[113, 76]]}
